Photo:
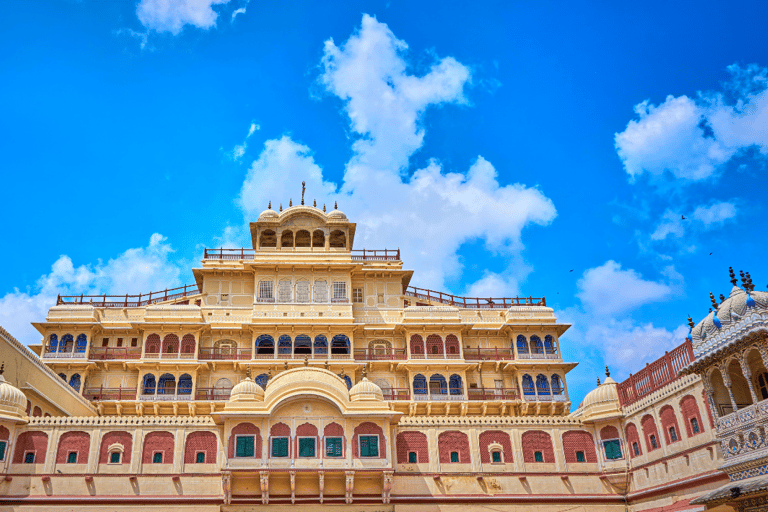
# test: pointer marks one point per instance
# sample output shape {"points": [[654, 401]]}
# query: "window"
{"points": [[306, 447], [134, 342], [104, 342], [333, 447], [612, 449], [321, 291], [454, 456], [357, 295], [3, 446], [381, 298], [672, 434], [538, 457], [496, 456], [29, 458], [636, 448], [157, 458], [72, 458], [580, 457], [279, 446], [695, 425], [119, 342], [369, 446], [114, 457], [762, 383], [302, 291], [413, 457], [339, 291], [654, 444], [284, 291], [265, 290], [244, 446], [200, 458]]}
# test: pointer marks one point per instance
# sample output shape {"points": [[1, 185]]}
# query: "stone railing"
{"points": [[742, 418]]}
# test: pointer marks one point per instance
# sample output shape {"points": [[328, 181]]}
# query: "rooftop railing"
{"points": [[656, 375], [375, 254], [249, 254], [397, 393], [129, 301], [473, 302]]}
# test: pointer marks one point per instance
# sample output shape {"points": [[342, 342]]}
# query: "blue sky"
{"points": [[506, 147]]}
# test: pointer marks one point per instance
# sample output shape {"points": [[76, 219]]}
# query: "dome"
{"points": [[365, 390], [269, 213], [602, 402], [246, 389], [13, 403], [730, 311], [337, 215]]}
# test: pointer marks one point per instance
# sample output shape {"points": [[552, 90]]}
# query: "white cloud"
{"points": [[671, 224], [239, 150], [691, 138], [172, 15], [236, 12], [714, 214], [430, 215], [609, 290], [135, 271]]}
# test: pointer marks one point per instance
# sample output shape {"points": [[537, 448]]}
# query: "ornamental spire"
{"points": [[733, 276], [303, 188], [607, 372], [712, 298]]}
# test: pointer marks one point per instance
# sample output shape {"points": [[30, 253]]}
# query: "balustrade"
{"points": [[488, 354], [109, 353], [102, 393], [397, 393], [493, 394], [394, 354], [224, 354]]}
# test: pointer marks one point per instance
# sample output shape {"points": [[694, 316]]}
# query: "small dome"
{"points": [[12, 400], [601, 402], [246, 389], [337, 214], [365, 390], [269, 213]]}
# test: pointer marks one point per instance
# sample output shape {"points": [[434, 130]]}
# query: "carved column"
{"points": [[727, 382], [226, 486], [748, 375], [293, 486], [264, 480], [350, 485], [321, 476], [710, 396], [386, 487]]}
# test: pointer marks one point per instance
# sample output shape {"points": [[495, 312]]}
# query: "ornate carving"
{"points": [[386, 487], [350, 487], [264, 480], [226, 487]]}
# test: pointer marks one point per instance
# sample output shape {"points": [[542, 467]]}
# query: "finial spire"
{"points": [[335, 205], [712, 298], [314, 203], [248, 372], [270, 206], [598, 381], [607, 372], [743, 277], [303, 188], [750, 286], [290, 203], [2, 368], [365, 371], [281, 206], [690, 322], [733, 276], [323, 208], [722, 298]]}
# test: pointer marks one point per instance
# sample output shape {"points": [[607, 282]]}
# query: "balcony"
{"points": [[128, 301], [488, 354], [375, 255], [556, 395], [493, 394], [421, 395], [169, 355], [473, 302], [212, 394], [166, 397], [655, 375], [397, 394], [317, 356], [539, 355], [435, 356], [250, 254], [65, 355], [106, 353], [224, 354], [100, 394], [394, 354]]}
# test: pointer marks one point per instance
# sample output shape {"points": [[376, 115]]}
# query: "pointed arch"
{"points": [[188, 344], [166, 384], [74, 381], [549, 344], [303, 238], [452, 346], [53, 344], [284, 346], [67, 343], [286, 239], [170, 344], [152, 344], [455, 385], [419, 384], [437, 385], [148, 385], [417, 345], [81, 343], [557, 387], [340, 344], [522, 344], [434, 345], [302, 345], [265, 344], [537, 347], [542, 385], [321, 344], [528, 388], [318, 238], [185, 384]]}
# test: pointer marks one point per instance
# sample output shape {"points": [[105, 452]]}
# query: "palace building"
{"points": [[305, 373]]}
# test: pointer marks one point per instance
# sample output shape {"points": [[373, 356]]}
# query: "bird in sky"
{"points": [[570, 270], [684, 217]]}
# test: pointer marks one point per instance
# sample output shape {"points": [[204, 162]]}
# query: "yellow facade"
{"points": [[302, 372]]}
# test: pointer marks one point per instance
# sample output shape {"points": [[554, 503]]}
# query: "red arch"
{"points": [[158, 441], [170, 344], [120, 437], [690, 410], [244, 429], [37, 412], [632, 438], [77, 441], [417, 344], [152, 344], [188, 344], [668, 419], [579, 441], [453, 441], [537, 441], [609, 432], [368, 428], [452, 345], [649, 428], [31, 441], [200, 442], [412, 442], [434, 344], [495, 436]]}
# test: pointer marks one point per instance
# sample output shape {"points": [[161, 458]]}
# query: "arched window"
{"points": [[302, 291], [188, 344], [82, 342], [536, 346], [63, 377], [338, 239], [268, 238], [549, 344], [284, 344], [153, 344], [522, 344], [53, 343], [321, 344], [528, 388], [185, 384], [148, 387], [434, 345], [348, 381], [74, 382], [452, 346], [417, 345], [166, 385], [171, 344], [303, 238], [321, 291], [318, 238], [265, 344], [542, 385], [302, 345], [224, 348], [419, 384], [557, 388], [437, 385], [340, 344], [67, 343], [222, 388], [262, 380], [286, 239], [455, 385]]}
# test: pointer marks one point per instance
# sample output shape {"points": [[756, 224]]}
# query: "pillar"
{"points": [[727, 382], [748, 375]]}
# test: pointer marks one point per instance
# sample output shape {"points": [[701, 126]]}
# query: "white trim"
{"points": [[298, 452], [359, 447], [271, 439], [238, 436], [325, 447], [162, 454]]}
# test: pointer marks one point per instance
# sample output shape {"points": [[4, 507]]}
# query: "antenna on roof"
{"points": [[303, 188]]}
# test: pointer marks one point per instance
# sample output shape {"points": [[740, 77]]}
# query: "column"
{"points": [[727, 382], [95, 453], [748, 375], [474, 449]]}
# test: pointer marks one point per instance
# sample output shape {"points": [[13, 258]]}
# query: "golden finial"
{"points": [[690, 322], [598, 381], [335, 205], [314, 203], [733, 276], [365, 371], [607, 372], [303, 188], [285, 365], [270, 206], [323, 208], [290, 203], [306, 361], [722, 298], [712, 298], [750, 286], [281, 206], [743, 277], [248, 372]]}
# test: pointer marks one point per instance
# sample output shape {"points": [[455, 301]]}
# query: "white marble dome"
{"points": [[337, 215], [246, 389], [12, 399], [269, 213], [365, 390]]}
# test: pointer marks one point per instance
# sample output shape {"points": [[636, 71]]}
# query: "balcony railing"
{"points": [[488, 354], [555, 395], [655, 375], [65, 355], [538, 355], [397, 394], [108, 353], [212, 394], [435, 356], [493, 394], [129, 301], [99, 394], [473, 302], [438, 397], [316, 356], [166, 397], [169, 355], [393, 354], [224, 354], [375, 255]]}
